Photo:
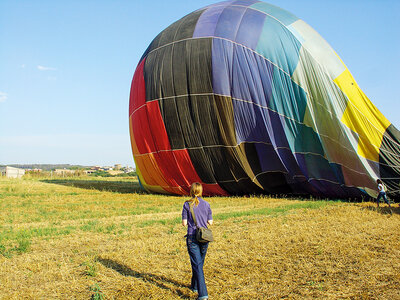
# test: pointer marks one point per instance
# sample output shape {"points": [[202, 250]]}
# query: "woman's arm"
{"points": [[184, 222], [210, 222]]}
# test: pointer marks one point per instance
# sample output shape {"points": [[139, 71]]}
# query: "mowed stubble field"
{"points": [[87, 238]]}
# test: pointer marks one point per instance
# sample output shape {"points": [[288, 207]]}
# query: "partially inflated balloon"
{"points": [[246, 98]]}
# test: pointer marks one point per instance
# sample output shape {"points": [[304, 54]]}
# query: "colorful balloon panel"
{"points": [[246, 98]]}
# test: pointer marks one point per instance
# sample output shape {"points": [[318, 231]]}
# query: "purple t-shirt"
{"points": [[202, 212]]}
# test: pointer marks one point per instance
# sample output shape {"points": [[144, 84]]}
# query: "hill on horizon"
{"points": [[46, 167]]}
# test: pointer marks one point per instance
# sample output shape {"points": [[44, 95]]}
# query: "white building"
{"points": [[11, 172]]}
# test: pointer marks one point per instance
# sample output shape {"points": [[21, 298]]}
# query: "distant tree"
{"points": [[101, 173]]}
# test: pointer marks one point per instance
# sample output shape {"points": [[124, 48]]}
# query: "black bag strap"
{"points": [[193, 215]]}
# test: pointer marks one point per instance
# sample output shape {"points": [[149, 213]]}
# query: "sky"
{"points": [[66, 68]]}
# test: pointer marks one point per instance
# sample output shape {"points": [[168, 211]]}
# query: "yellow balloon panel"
{"points": [[362, 117]]}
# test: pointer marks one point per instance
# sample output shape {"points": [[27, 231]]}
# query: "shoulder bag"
{"points": [[203, 235]]}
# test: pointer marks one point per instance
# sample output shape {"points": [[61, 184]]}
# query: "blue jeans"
{"points": [[197, 252], [382, 194]]}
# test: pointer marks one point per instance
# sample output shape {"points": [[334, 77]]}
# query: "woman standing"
{"points": [[197, 251]]}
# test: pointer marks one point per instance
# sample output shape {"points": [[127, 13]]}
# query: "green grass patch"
{"points": [[147, 223], [45, 208], [22, 245], [97, 293], [90, 268], [246, 213], [9, 234], [272, 211]]}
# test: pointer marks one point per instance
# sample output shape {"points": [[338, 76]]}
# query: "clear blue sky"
{"points": [[66, 68]]}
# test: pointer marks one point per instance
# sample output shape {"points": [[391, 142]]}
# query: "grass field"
{"points": [[86, 238]]}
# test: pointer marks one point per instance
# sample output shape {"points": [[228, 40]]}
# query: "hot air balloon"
{"points": [[246, 98]]}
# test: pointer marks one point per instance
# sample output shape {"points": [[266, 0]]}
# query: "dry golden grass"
{"points": [[130, 245]]}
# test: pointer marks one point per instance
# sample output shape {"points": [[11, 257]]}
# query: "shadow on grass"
{"points": [[158, 280], [385, 209], [124, 187]]}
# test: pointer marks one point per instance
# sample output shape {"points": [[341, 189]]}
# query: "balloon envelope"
{"points": [[245, 97]]}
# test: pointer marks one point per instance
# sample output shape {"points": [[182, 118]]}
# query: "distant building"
{"points": [[129, 169], [11, 172], [33, 170], [117, 167], [63, 172]]}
